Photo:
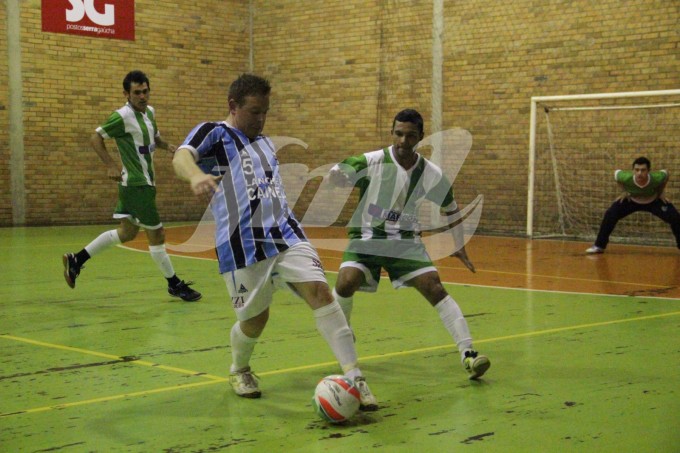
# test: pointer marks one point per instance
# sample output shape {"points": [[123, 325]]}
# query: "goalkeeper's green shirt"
{"points": [[390, 196], [135, 134], [645, 194]]}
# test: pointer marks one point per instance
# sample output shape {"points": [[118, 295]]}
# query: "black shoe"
{"points": [[71, 269], [183, 291]]}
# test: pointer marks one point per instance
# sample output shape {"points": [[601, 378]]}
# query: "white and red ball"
{"points": [[336, 398]]}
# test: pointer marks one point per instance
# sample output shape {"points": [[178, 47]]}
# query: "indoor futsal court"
{"points": [[529, 110], [584, 356]]}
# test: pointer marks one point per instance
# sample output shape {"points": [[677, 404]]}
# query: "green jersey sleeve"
{"points": [[114, 126], [357, 163], [355, 168]]}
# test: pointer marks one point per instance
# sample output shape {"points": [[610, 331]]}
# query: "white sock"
{"points": [[345, 303], [242, 347], [332, 324], [102, 242], [455, 323], [162, 259]]}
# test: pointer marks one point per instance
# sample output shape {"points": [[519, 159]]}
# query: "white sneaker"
{"points": [[476, 365], [244, 383], [594, 250], [368, 401]]}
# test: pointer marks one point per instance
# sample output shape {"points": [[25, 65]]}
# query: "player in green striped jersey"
{"points": [[134, 129], [385, 234]]}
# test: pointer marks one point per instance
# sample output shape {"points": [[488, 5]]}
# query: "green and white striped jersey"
{"points": [[390, 196], [135, 135]]}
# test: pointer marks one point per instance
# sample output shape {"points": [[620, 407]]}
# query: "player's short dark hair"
{"points": [[410, 116], [642, 161], [137, 77], [248, 85]]}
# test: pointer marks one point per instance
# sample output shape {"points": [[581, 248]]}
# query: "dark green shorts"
{"points": [[138, 205], [403, 260]]}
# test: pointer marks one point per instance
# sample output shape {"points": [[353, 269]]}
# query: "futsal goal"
{"points": [[577, 142]]}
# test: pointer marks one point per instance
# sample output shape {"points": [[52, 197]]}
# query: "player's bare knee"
{"points": [[323, 295], [316, 294], [347, 287], [437, 295], [349, 281], [432, 289], [254, 326], [126, 234], [156, 237]]}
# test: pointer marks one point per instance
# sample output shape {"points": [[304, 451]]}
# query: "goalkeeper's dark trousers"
{"points": [[620, 209]]}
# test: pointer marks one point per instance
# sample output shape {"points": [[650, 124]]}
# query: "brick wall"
{"points": [[499, 57], [340, 70], [189, 50]]}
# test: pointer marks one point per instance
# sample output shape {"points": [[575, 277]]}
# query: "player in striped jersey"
{"points": [[385, 234], [134, 129], [258, 240]]}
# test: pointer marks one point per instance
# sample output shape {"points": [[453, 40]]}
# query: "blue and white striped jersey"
{"points": [[253, 220]]}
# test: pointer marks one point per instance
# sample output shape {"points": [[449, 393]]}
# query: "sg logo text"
{"points": [[80, 8]]}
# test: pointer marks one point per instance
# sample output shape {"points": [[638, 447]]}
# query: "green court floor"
{"points": [[117, 365]]}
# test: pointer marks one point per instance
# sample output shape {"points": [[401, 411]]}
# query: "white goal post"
{"points": [[582, 103]]}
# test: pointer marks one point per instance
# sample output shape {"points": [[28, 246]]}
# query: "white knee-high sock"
{"points": [[242, 347], [346, 304], [162, 259], [102, 242], [455, 323], [332, 324]]}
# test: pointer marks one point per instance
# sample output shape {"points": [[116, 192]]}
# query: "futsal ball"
{"points": [[336, 398]]}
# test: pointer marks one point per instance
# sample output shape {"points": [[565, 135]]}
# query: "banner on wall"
{"points": [[98, 18]]}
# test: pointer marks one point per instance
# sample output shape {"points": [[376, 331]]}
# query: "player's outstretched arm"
{"points": [[162, 144], [622, 197], [187, 170], [112, 169], [625, 195], [459, 241], [338, 178], [462, 255]]}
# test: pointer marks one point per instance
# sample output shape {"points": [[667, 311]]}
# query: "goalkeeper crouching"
{"points": [[643, 191]]}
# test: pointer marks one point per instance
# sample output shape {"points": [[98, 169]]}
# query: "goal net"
{"points": [[576, 144]]}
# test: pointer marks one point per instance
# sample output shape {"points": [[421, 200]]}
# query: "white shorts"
{"points": [[251, 288]]}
